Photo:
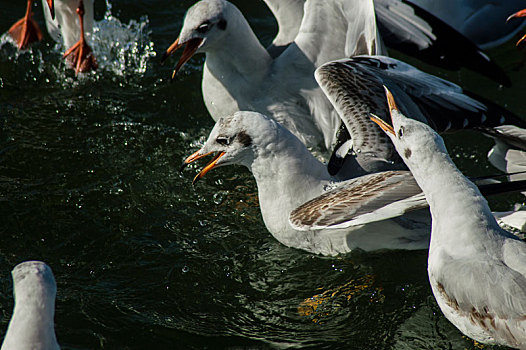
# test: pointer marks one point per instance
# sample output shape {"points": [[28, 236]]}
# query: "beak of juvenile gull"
{"points": [[392, 107], [189, 49], [192, 158], [51, 8]]}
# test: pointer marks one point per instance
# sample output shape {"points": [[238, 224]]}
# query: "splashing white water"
{"points": [[120, 49]]}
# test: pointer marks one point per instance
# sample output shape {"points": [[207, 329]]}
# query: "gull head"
{"points": [[33, 280], [205, 23], [236, 139], [415, 141]]}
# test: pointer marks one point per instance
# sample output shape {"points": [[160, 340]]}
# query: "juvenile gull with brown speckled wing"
{"points": [[288, 175], [355, 88]]}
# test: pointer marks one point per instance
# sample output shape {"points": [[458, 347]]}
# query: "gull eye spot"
{"points": [[222, 24], [244, 138], [407, 153], [401, 132]]}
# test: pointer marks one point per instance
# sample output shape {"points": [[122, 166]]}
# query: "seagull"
{"points": [[240, 74], [518, 14], [32, 325], [355, 87], [288, 175], [69, 25], [476, 269], [26, 31]]}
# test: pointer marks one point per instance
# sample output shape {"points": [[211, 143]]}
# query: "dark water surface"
{"points": [[89, 183]]}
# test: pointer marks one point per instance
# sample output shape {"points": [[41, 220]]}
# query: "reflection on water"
{"points": [[90, 183]]}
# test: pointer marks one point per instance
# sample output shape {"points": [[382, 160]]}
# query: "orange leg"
{"points": [[80, 55], [26, 30]]}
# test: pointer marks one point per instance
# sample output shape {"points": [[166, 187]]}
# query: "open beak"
{"points": [[192, 158], [392, 107], [521, 13], [190, 47], [51, 8]]}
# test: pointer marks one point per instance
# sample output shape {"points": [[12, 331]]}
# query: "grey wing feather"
{"points": [[366, 199], [289, 15], [485, 288]]}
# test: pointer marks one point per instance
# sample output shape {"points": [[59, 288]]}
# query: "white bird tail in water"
{"points": [[32, 325], [477, 270]]}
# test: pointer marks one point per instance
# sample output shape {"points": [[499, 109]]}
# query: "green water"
{"points": [[90, 184]]}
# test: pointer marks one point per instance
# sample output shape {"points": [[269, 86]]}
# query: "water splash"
{"points": [[122, 50]]}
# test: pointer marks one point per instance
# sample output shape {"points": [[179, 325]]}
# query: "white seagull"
{"points": [[240, 74], [476, 269], [288, 175], [72, 25], [32, 324]]}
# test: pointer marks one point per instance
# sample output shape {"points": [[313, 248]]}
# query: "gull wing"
{"points": [[288, 14], [355, 87], [408, 28], [486, 289], [332, 29], [369, 198]]}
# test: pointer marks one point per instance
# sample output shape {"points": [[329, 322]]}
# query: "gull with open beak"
{"points": [[26, 31], [240, 74], [477, 270], [288, 175]]}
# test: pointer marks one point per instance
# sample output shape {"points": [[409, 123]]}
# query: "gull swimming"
{"points": [[288, 175], [240, 74], [32, 325], [477, 270]]}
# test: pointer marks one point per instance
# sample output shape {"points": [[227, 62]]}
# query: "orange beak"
{"points": [[51, 8], [195, 156], [191, 46], [392, 107], [521, 13]]}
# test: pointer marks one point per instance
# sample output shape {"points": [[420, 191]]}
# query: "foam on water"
{"points": [[122, 50]]}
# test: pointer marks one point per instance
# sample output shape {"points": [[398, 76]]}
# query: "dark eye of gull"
{"points": [[401, 132], [203, 27]]}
